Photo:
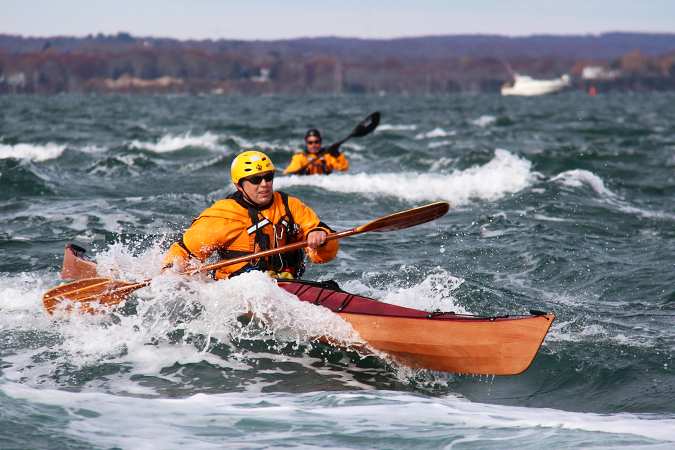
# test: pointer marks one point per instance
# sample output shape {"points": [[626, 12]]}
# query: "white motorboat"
{"points": [[525, 85]]}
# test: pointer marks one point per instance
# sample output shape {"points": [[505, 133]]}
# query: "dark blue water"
{"points": [[561, 203]]}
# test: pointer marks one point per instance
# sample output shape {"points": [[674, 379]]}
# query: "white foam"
{"points": [[206, 421], [578, 178], [243, 143], [435, 133], [484, 120], [20, 295], [623, 206], [391, 127], [434, 293], [438, 144], [119, 261], [172, 142], [549, 218], [168, 304], [504, 174], [284, 317], [439, 164], [579, 331], [32, 152]]}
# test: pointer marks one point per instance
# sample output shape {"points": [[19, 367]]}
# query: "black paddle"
{"points": [[365, 127]]}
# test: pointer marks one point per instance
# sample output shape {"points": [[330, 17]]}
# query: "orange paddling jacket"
{"points": [[303, 163], [232, 228]]}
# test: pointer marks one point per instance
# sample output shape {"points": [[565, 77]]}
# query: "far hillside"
{"points": [[436, 64]]}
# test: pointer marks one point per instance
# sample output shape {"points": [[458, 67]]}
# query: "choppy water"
{"points": [[561, 203]]}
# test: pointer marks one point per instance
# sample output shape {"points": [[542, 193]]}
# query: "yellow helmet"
{"points": [[250, 162]]}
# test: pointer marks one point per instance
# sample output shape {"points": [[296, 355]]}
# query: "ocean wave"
{"points": [[438, 144], [291, 146], [33, 152], [578, 178], [335, 419], [505, 174], [391, 127], [484, 120], [435, 133], [172, 142]]}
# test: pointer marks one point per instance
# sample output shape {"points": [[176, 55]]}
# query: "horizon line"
{"points": [[477, 34]]}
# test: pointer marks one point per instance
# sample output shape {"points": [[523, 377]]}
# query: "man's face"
{"points": [[258, 188], [313, 144]]}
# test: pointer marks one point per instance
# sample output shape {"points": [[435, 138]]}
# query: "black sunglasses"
{"points": [[313, 142], [257, 179]]}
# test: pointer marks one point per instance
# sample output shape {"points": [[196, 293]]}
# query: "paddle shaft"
{"points": [[122, 291], [114, 291], [272, 251]]}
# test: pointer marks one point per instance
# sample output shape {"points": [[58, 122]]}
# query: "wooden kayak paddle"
{"points": [[92, 294]]}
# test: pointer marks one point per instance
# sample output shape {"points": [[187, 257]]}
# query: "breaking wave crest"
{"points": [[33, 152], [505, 174]]}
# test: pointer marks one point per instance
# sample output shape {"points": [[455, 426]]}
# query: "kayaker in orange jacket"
{"points": [[253, 219], [316, 160]]}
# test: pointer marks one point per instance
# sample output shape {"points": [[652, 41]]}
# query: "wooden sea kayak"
{"points": [[443, 341]]}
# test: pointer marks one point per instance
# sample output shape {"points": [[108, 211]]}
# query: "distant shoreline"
{"points": [[423, 65]]}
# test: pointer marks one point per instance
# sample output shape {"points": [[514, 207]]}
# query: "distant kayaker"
{"points": [[252, 219], [316, 160]]}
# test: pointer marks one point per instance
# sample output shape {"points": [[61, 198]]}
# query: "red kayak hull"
{"points": [[438, 341]]}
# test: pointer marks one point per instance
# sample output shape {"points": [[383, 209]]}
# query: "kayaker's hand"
{"points": [[316, 239], [333, 150]]}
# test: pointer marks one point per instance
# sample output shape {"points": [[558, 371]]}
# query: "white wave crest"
{"points": [[439, 144], [435, 133], [434, 293], [171, 142], [504, 174], [33, 152], [391, 127], [578, 178], [243, 143], [484, 121], [207, 420], [199, 308]]}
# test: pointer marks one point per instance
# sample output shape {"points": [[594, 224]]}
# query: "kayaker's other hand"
{"points": [[316, 239]]}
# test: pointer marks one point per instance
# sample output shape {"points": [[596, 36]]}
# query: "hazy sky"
{"points": [[266, 19]]}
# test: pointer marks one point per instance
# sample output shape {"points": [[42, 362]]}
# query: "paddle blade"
{"points": [[367, 125], [407, 219], [89, 294]]}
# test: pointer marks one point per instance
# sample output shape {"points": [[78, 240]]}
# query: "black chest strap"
{"points": [[283, 261]]}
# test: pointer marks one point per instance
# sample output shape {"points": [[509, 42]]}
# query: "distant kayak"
{"points": [[442, 341]]}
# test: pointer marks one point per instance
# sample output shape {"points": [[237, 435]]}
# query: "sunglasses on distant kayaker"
{"points": [[313, 142], [257, 179]]}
